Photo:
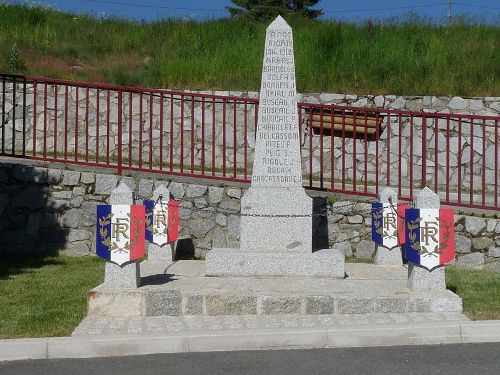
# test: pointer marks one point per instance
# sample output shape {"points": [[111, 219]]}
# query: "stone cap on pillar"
{"points": [[161, 190], [121, 195], [426, 198], [388, 195]]}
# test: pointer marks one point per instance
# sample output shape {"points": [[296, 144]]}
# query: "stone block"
{"points": [[28, 173], [385, 256], [163, 303], [71, 178], [320, 305], [215, 194], [494, 252], [78, 235], [390, 305], [473, 261], [345, 247], [462, 244], [482, 243], [235, 262], [193, 304], [265, 230], [274, 305], [124, 277], [420, 278], [234, 193], [474, 225], [146, 188], [71, 218], [104, 184], [228, 304], [87, 178], [53, 176], [355, 305], [117, 304], [194, 191], [365, 250], [176, 189]]}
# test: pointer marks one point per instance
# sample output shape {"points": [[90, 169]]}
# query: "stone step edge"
{"points": [[124, 345], [176, 303]]}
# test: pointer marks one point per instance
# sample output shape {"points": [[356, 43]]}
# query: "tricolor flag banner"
{"points": [[162, 221], [120, 233], [388, 226], [430, 236]]}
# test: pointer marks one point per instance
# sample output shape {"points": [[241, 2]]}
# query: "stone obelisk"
{"points": [[276, 222], [276, 196]]}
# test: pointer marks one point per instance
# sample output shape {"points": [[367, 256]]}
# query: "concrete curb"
{"points": [[265, 339]]}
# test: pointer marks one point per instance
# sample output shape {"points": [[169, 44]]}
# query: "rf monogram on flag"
{"points": [[162, 221], [120, 233], [430, 236], [388, 224]]}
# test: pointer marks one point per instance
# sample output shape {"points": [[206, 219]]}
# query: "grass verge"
{"points": [[479, 289], [45, 296], [409, 57]]}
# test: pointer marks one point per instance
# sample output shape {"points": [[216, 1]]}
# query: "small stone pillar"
{"points": [[129, 275], [158, 253], [420, 278], [383, 255]]}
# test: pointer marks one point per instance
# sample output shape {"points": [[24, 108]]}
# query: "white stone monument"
{"points": [[420, 278], [383, 255], [128, 275], [276, 223]]}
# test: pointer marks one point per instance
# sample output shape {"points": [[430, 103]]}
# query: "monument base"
{"points": [[237, 262], [420, 278], [384, 256]]}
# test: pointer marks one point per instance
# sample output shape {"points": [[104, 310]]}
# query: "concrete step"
{"points": [[181, 288], [102, 325]]}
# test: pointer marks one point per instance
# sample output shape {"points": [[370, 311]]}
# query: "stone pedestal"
{"points": [[420, 278], [388, 257], [127, 275], [237, 262], [276, 222]]}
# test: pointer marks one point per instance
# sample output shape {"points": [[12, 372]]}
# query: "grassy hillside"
{"points": [[412, 58]]}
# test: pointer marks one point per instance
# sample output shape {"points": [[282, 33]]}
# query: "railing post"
{"points": [[119, 143]]}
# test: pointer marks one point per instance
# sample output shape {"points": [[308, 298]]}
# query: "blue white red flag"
{"points": [[120, 233], [388, 224], [162, 221], [430, 236]]}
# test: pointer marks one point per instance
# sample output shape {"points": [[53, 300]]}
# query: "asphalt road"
{"points": [[482, 359]]}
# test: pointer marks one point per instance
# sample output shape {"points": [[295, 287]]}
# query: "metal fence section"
{"points": [[345, 149]]}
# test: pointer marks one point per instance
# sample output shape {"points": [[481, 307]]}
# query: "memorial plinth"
{"points": [[276, 222]]}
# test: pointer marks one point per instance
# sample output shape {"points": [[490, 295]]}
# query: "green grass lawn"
{"points": [[408, 57], [479, 289], [45, 296]]}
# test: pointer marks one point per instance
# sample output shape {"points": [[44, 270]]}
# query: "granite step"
{"points": [[173, 325], [182, 289]]}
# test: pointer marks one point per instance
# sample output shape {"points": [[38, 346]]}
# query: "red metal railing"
{"points": [[344, 149]]}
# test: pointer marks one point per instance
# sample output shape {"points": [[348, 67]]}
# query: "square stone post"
{"points": [[420, 278], [156, 253], [128, 275], [383, 255]]}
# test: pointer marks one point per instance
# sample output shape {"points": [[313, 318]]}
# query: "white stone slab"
{"points": [[235, 262]]}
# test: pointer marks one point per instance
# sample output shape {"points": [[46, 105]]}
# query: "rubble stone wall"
{"points": [[44, 209]]}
